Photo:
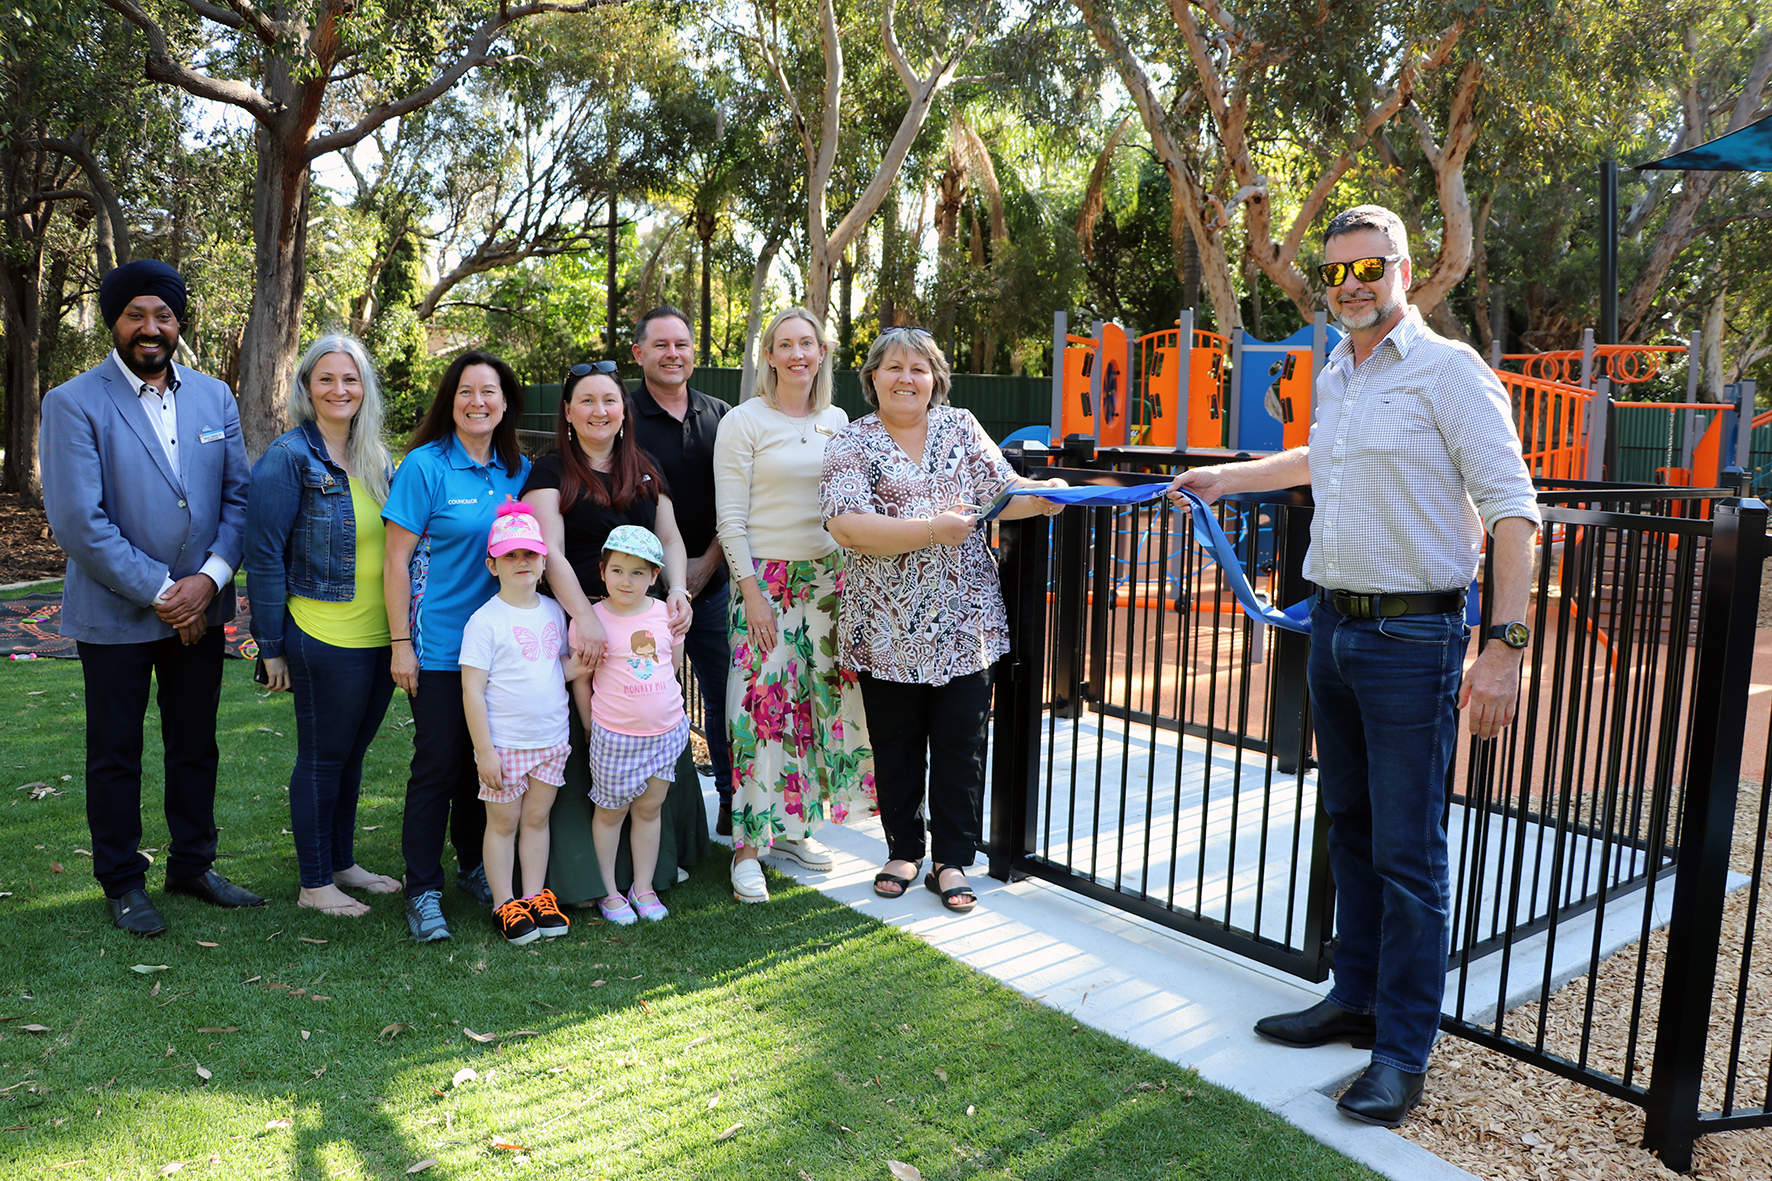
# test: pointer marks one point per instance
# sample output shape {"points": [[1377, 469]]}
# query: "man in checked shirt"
{"points": [[1412, 456]]}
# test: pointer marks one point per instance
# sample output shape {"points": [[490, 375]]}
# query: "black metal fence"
{"points": [[1151, 749]]}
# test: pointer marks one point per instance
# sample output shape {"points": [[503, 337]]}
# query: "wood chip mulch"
{"points": [[1497, 1117], [27, 552]]}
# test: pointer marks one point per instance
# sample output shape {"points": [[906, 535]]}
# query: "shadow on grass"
{"points": [[838, 1043]]}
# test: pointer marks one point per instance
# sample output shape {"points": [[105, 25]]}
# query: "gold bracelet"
{"points": [[931, 532]]}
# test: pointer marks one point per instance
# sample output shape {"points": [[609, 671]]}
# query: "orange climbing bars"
{"points": [[1625, 364], [1552, 420]]}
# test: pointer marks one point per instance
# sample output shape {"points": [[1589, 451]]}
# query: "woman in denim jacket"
{"points": [[314, 549]]}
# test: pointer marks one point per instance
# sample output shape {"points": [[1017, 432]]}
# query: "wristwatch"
{"points": [[1514, 635]]}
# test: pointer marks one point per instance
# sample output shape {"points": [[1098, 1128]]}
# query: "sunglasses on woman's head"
{"points": [[585, 370], [1366, 270], [588, 368], [912, 329]]}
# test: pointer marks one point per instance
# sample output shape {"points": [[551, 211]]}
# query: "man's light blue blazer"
{"points": [[118, 512]]}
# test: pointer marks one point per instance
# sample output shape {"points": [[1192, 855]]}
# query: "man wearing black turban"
{"points": [[144, 483]]}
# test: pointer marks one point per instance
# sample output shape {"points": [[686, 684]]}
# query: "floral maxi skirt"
{"points": [[800, 752]]}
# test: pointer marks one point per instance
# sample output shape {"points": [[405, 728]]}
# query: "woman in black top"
{"points": [[598, 479]]}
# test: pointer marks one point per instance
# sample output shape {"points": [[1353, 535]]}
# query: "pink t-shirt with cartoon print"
{"points": [[634, 689]]}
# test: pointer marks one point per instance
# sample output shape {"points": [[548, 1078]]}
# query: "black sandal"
{"points": [[886, 879], [933, 880]]}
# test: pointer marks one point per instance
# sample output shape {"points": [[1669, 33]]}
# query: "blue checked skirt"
{"points": [[622, 763]]}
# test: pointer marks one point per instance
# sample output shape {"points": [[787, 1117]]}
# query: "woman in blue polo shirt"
{"points": [[462, 464]]}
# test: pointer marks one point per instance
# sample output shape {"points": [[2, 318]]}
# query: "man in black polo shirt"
{"points": [[676, 426]]}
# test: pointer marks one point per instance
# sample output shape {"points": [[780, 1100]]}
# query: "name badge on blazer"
{"points": [[211, 434]]}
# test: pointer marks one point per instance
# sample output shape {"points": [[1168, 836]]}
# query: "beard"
{"points": [[148, 366], [1376, 313]]}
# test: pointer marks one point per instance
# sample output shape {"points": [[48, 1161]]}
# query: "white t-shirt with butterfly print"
{"points": [[521, 648]]}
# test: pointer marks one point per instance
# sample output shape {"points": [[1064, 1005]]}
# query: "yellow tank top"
{"points": [[361, 622]]}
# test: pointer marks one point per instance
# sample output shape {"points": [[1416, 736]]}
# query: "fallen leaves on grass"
{"points": [[204, 1073], [714, 1102], [941, 1074], [202, 943], [729, 1133], [219, 1029], [35, 1028], [154, 991], [508, 1145], [700, 1041], [390, 1032], [305, 1035], [904, 1172], [482, 1038], [57, 867], [150, 969], [170, 1167], [420, 1166], [305, 939], [272, 1125], [466, 1074]]}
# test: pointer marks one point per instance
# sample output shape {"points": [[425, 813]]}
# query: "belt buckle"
{"points": [[1353, 606]]}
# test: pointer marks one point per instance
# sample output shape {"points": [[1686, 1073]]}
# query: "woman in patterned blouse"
{"points": [[922, 618]]}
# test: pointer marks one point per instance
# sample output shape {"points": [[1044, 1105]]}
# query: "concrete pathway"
{"points": [[1181, 1000]]}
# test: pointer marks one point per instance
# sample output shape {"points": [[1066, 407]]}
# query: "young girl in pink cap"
{"points": [[515, 663]]}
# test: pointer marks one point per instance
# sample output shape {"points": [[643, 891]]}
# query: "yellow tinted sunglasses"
{"points": [[1366, 270]]}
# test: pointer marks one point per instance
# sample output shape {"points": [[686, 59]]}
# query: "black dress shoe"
{"points": [[723, 819], [1319, 1025], [214, 889], [135, 914], [1382, 1095]]}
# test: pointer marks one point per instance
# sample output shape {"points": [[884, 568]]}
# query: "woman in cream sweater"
{"points": [[800, 751]]}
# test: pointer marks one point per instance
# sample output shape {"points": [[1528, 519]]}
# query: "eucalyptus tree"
{"points": [[278, 62], [74, 132], [1265, 94], [925, 50]]}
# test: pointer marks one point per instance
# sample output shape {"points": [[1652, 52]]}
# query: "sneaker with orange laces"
{"points": [[515, 923], [544, 911]]}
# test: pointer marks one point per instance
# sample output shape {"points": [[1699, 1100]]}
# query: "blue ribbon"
{"points": [[1207, 533]]}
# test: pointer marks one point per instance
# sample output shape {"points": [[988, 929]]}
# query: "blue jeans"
{"points": [[341, 696], [1384, 708], [709, 649]]}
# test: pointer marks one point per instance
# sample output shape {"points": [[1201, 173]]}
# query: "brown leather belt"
{"points": [[1390, 606]]}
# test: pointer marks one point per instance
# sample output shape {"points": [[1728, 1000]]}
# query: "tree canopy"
{"points": [[529, 177]]}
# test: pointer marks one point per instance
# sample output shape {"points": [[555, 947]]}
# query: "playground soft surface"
{"points": [[797, 1040]]}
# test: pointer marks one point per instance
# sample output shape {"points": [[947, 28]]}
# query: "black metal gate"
{"points": [[1151, 750]]}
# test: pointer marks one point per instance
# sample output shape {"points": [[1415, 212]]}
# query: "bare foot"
{"points": [[358, 878], [332, 900]]}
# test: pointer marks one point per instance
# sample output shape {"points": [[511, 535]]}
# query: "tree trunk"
{"points": [[706, 222], [614, 312], [846, 304], [1710, 389], [753, 320], [21, 310], [272, 341]]}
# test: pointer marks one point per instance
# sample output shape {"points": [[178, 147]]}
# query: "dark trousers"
{"points": [[1384, 696], [341, 696], [442, 788], [117, 678], [709, 648], [934, 733]]}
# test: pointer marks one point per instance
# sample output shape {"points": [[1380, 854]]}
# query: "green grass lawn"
{"points": [[797, 1040]]}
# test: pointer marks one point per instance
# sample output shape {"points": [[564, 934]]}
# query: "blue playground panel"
{"points": [[1259, 430]]}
